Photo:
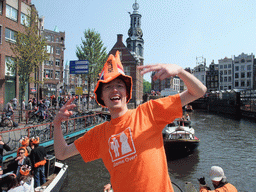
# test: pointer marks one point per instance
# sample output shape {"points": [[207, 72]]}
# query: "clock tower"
{"points": [[135, 42]]}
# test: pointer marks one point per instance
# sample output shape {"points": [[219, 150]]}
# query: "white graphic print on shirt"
{"points": [[121, 145]]}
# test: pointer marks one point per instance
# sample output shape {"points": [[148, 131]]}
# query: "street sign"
{"points": [[33, 90], [79, 91], [79, 67]]}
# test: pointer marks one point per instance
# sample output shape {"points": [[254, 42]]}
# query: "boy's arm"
{"points": [[61, 148], [195, 88]]}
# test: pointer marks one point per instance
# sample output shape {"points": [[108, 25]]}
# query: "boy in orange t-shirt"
{"points": [[131, 144]]}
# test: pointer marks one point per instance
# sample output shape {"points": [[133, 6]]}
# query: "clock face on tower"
{"points": [[130, 32], [139, 32]]}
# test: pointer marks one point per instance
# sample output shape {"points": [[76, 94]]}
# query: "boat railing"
{"points": [[181, 134], [45, 131]]}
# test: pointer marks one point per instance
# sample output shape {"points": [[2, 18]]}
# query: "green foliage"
{"points": [[29, 52], [93, 50], [146, 86]]}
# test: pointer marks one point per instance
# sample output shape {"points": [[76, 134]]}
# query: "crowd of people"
{"points": [[28, 168]]}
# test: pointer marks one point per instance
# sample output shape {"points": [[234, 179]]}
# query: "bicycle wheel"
{"points": [[32, 119], [7, 123]]}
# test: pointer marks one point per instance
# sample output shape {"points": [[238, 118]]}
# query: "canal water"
{"points": [[224, 141]]}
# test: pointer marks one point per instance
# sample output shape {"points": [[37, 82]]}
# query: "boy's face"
{"points": [[114, 94]]}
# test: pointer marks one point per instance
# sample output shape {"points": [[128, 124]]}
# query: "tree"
{"points": [[93, 50], [146, 86], [29, 52]]}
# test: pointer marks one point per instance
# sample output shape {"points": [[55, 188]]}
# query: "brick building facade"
{"points": [[13, 16]]}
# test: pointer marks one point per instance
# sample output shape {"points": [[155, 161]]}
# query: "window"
{"points": [[48, 62], [249, 67], [1, 7], [221, 72], [57, 50], [242, 60], [221, 66], [242, 67], [242, 83], [225, 66], [242, 75], [229, 65], [248, 83], [49, 49], [216, 78], [48, 73], [1, 33], [127, 70], [57, 74], [236, 84], [225, 72], [57, 62], [48, 38], [229, 79], [225, 79], [24, 19], [236, 75], [10, 35], [229, 72], [236, 68], [249, 74], [11, 13], [9, 72]]}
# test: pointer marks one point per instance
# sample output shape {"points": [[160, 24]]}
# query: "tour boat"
{"points": [[179, 139]]}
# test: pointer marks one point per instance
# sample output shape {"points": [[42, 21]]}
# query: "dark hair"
{"points": [[11, 181]]}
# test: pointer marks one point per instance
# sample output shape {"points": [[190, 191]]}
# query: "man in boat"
{"points": [[219, 181], [128, 142]]}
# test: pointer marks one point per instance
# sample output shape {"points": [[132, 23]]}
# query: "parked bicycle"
{"points": [[35, 117], [6, 122]]}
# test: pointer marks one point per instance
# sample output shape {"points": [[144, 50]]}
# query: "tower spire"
{"points": [[135, 42], [135, 7]]}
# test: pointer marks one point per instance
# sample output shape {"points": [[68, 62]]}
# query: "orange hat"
{"points": [[24, 172], [112, 69], [35, 140], [25, 141]]}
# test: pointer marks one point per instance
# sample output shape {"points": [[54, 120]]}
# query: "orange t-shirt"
{"points": [[131, 146]]}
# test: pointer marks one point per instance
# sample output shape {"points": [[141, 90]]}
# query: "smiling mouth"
{"points": [[116, 98]]}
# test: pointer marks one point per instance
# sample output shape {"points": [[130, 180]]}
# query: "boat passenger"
{"points": [[38, 159], [20, 161], [219, 181], [128, 142]]}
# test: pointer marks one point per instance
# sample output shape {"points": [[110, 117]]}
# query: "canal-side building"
{"points": [[243, 71], [212, 77], [52, 70], [225, 74], [132, 55], [13, 16], [200, 70]]}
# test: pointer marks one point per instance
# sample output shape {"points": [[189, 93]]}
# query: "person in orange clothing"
{"points": [[219, 181], [25, 145], [127, 143]]}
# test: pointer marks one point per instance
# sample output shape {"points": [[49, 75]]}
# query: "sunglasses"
{"points": [[21, 152]]}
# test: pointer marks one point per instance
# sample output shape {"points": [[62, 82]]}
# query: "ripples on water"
{"points": [[225, 142]]}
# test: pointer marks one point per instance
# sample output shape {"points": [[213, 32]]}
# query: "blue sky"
{"points": [[174, 31]]}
